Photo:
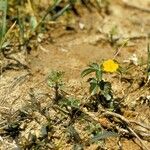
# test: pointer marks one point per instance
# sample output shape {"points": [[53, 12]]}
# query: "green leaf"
{"points": [[43, 130], [3, 13], [55, 76], [94, 67], [87, 71], [99, 75], [74, 134], [107, 96], [5, 44], [33, 22], [50, 84], [72, 102], [113, 31], [73, 1], [101, 85], [94, 87], [103, 135], [21, 27], [106, 90]]}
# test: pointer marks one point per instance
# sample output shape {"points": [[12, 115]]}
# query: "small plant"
{"points": [[98, 86], [112, 35], [55, 81], [72, 105], [12, 129]]}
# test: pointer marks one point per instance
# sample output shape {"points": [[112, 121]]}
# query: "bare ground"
{"points": [[71, 51]]}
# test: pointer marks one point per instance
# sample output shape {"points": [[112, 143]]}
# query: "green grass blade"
{"points": [[21, 28], [3, 13], [87, 71]]}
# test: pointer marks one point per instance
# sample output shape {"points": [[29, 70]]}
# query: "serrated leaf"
{"points": [[70, 102], [56, 77], [107, 96], [102, 84], [75, 104], [99, 75], [50, 84], [93, 88]]}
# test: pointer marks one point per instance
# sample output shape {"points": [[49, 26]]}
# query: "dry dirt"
{"points": [[72, 50]]}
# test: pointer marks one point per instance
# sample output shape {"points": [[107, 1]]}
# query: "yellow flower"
{"points": [[110, 66]]}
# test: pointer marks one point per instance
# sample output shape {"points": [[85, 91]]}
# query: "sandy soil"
{"points": [[72, 50]]}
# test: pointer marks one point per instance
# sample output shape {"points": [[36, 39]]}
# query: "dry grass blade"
{"points": [[148, 63], [60, 12], [7, 33]]}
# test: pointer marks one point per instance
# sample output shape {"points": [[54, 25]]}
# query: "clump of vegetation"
{"points": [[22, 24], [55, 82], [60, 119], [53, 118], [100, 88]]}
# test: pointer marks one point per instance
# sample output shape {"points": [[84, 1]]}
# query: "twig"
{"points": [[60, 109], [119, 143], [118, 51], [128, 123], [116, 115], [136, 7], [142, 143], [3, 107], [148, 63], [3, 122], [140, 124]]}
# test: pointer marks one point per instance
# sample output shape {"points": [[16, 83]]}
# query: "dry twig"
{"points": [[135, 7], [128, 124]]}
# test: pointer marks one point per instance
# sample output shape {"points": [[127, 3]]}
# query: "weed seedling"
{"points": [[55, 82], [112, 36], [13, 129], [100, 88], [72, 105]]}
